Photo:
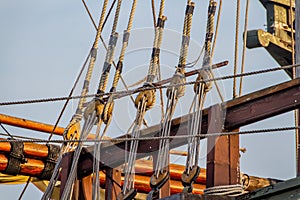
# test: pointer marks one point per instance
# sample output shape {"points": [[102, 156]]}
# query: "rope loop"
{"points": [[149, 96], [204, 74]]}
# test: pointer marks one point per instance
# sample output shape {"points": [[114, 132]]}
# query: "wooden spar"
{"points": [[31, 150], [33, 125], [191, 73], [145, 167], [241, 111], [28, 124], [35, 167], [32, 167]]}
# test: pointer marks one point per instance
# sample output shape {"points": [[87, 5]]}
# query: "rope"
{"points": [[6, 131], [153, 12], [110, 52], [120, 94], [118, 140], [76, 118], [244, 47], [217, 29], [228, 190], [237, 20], [25, 188]]}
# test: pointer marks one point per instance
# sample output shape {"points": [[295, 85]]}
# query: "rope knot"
{"points": [[147, 96], [203, 76], [177, 83]]}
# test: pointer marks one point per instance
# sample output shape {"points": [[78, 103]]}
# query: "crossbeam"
{"points": [[241, 111]]}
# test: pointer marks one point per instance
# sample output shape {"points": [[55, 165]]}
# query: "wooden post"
{"points": [[222, 153], [297, 59], [165, 189], [112, 183]]}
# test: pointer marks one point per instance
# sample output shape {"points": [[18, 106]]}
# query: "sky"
{"points": [[44, 44]]}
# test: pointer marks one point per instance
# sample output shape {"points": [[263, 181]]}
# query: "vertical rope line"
{"points": [[117, 14], [244, 47], [161, 8], [153, 12], [217, 29], [237, 20]]}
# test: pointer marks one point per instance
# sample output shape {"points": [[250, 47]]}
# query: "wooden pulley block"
{"points": [[147, 96], [188, 179], [128, 196], [158, 182]]}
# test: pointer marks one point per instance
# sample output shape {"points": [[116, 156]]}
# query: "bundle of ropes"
{"points": [[99, 110]]}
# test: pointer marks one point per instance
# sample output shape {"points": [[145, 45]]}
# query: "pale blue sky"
{"points": [[44, 43]]}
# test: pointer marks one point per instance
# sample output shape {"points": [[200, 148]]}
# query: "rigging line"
{"points": [[76, 118], [153, 12], [124, 93], [17, 136], [6, 131], [105, 46], [70, 94], [117, 140], [217, 29], [237, 20], [24, 189], [244, 46]]}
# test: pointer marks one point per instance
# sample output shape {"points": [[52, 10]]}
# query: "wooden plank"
{"points": [[241, 111], [218, 152]]}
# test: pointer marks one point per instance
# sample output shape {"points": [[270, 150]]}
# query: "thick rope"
{"points": [[237, 20], [217, 29], [228, 190], [244, 46], [110, 52], [76, 118]]}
